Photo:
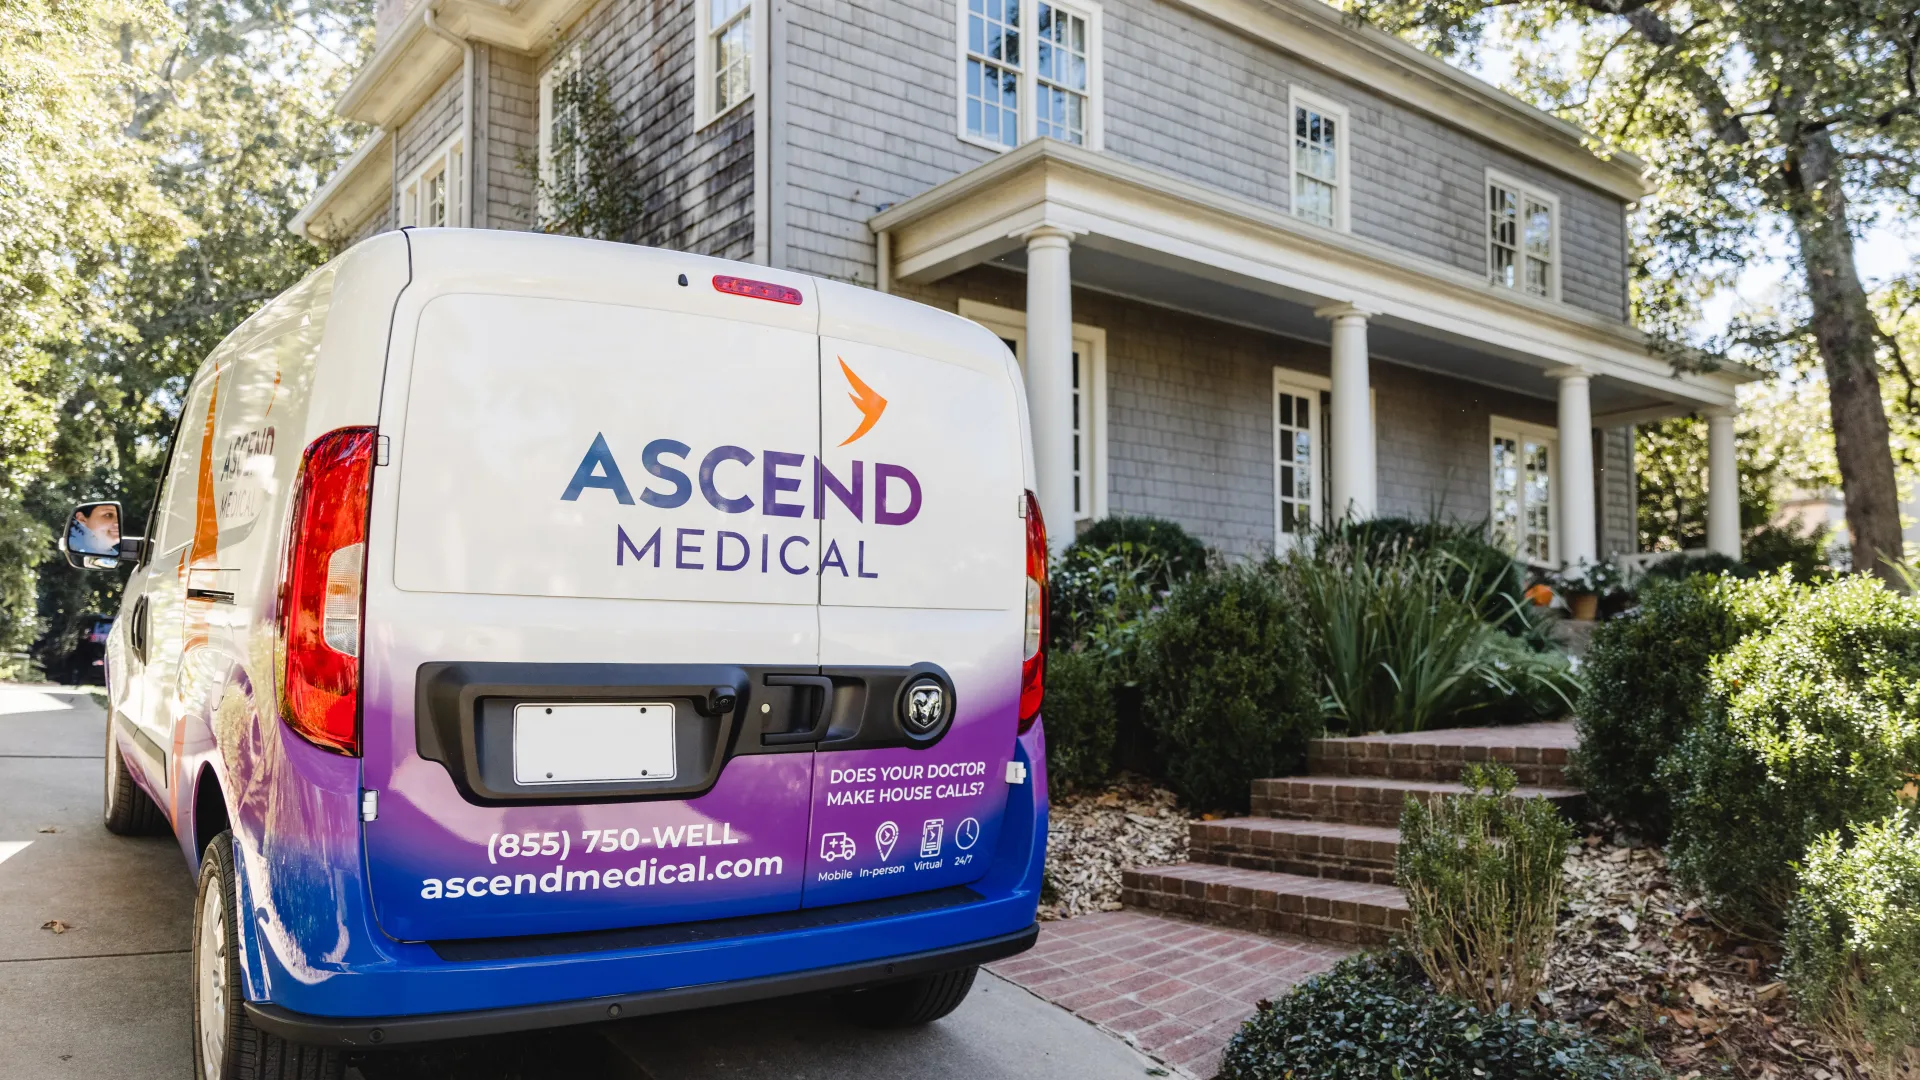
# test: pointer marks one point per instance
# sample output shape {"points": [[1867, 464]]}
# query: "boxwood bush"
{"points": [[1373, 1017], [1079, 718], [1227, 692], [1646, 685], [1815, 724], [1853, 940], [1178, 551]]}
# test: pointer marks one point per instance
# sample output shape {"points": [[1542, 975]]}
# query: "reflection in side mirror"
{"points": [[92, 540]]}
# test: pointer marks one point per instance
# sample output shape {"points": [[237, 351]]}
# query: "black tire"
{"points": [[910, 1003], [125, 805], [226, 1045]]}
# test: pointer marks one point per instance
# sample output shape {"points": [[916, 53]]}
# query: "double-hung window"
{"points": [[1523, 237], [725, 64], [1029, 69], [1523, 496], [1320, 137], [434, 195], [1299, 460]]}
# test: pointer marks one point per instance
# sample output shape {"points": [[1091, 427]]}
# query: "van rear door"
{"points": [[922, 571], [601, 595]]}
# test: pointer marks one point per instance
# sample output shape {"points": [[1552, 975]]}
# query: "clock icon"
{"points": [[967, 835]]}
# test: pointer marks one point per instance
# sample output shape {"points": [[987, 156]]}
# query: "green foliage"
{"points": [[1684, 564], [1853, 940], [1482, 877], [1401, 642], [589, 191], [163, 148], [1228, 693], [1080, 720], [1177, 553], [1670, 470], [1779, 547], [1373, 1018], [1815, 724], [1647, 687], [1476, 568]]}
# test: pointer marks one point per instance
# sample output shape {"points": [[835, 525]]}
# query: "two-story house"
{"points": [[1261, 265]]}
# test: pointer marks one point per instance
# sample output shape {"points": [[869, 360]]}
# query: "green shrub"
{"points": [[1686, 564], [1227, 692], [1646, 685], [1853, 941], [1400, 643], [1080, 720], [1097, 595], [1782, 547], [1177, 552], [1815, 724], [1482, 877], [1372, 1017]]}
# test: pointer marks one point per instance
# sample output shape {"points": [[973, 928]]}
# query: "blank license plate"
{"points": [[578, 744]]}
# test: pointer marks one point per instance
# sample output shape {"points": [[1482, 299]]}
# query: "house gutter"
{"points": [[432, 23]]}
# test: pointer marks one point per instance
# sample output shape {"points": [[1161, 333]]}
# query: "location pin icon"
{"points": [[884, 837]]}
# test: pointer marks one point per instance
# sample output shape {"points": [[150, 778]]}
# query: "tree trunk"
{"points": [[1845, 331]]}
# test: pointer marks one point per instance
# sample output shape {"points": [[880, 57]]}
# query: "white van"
{"points": [[533, 631]]}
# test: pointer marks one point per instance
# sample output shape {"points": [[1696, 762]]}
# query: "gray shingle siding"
{"points": [[1619, 532], [695, 187], [1190, 417], [871, 100], [425, 131], [508, 118]]}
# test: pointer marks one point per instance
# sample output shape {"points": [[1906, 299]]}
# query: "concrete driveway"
{"points": [[107, 995]]}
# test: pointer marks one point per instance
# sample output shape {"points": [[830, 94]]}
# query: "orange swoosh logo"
{"points": [[870, 404]]}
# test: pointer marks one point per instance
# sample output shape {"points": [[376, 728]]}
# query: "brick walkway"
{"points": [[1175, 989]]}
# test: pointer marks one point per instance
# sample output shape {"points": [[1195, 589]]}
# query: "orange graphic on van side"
{"points": [[206, 521], [870, 404]]}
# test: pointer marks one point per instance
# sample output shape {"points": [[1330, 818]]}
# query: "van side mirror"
{"points": [[92, 539]]}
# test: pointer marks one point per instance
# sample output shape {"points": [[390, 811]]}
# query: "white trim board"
{"points": [[1091, 342]]}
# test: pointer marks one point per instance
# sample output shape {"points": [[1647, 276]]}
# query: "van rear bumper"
{"points": [[365, 1032]]}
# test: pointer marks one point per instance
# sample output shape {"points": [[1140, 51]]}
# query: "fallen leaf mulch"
{"points": [[1093, 835], [1639, 961]]}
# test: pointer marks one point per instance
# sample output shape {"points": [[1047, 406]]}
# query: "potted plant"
{"points": [[1584, 584]]}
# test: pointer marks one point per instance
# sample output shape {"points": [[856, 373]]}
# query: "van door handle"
{"points": [[819, 729]]}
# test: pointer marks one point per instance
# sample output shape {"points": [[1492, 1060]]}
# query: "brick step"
{"points": [[1368, 800], [1325, 849], [1351, 912], [1537, 753]]}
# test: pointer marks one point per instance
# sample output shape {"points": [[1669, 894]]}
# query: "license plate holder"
{"points": [[573, 743]]}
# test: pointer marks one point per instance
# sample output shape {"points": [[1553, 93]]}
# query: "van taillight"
{"points": [[758, 290], [1033, 670], [323, 578]]}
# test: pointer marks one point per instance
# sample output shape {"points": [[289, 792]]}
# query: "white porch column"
{"points": [[1050, 377], [1579, 533], [1351, 420], [1723, 485]]}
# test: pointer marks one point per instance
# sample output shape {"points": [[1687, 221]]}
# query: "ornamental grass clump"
{"points": [[1403, 641], [1853, 942], [1482, 876]]}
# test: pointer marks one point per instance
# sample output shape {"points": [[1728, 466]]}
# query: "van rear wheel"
{"points": [[226, 1045], [910, 1003], [127, 808]]}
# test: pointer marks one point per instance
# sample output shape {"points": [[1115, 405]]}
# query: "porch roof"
{"points": [[1142, 234]]}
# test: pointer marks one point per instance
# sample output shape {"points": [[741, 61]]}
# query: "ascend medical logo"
{"points": [[735, 480]]}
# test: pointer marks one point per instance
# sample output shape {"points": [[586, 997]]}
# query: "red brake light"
{"points": [[1033, 669], [758, 290], [323, 577]]}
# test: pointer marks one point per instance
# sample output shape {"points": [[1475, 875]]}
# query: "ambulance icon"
{"points": [[836, 845]]}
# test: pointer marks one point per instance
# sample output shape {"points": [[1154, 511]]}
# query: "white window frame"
{"points": [[1526, 191], [449, 159], [1091, 343], [706, 68], [1028, 78], [563, 65], [1300, 384], [1521, 432], [1299, 97]]}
